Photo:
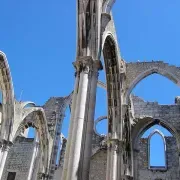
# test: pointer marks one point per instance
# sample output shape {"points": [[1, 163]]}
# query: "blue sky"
{"points": [[39, 39]]}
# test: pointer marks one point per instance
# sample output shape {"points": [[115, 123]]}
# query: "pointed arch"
{"points": [[156, 131], [6, 86], [55, 107], [135, 72], [35, 117], [147, 122], [112, 78]]}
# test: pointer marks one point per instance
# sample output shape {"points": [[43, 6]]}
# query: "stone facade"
{"points": [[121, 154], [19, 159], [98, 166], [172, 161]]}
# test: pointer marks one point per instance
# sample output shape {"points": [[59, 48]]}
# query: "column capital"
{"points": [[86, 64]]}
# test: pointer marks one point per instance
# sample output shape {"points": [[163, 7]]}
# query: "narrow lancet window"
{"points": [[157, 150]]}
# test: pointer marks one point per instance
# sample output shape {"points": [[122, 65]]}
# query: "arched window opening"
{"points": [[155, 143], [157, 151], [158, 127], [157, 88], [31, 132], [102, 127]]}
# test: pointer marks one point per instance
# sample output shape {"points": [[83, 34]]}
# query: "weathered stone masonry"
{"points": [[19, 158], [121, 154], [172, 171]]}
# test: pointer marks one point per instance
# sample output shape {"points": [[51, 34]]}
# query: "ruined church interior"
{"points": [[72, 139]]}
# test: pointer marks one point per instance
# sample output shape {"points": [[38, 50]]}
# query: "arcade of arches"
{"points": [[122, 153]]}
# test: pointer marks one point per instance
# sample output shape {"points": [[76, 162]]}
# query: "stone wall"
{"points": [[135, 72], [19, 158], [98, 166], [143, 171], [167, 115]]}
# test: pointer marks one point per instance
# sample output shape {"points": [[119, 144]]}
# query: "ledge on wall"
{"points": [[158, 168]]}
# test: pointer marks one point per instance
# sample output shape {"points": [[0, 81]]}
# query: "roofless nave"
{"points": [[123, 153]]}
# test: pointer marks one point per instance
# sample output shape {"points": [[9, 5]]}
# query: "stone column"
{"points": [[108, 170], [5, 147], [112, 166], [114, 143], [73, 107], [84, 67], [33, 159], [89, 122]]}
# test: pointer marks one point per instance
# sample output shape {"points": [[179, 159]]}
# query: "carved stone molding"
{"points": [[87, 65]]}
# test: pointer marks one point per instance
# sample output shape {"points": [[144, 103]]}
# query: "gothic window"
{"points": [[11, 176], [31, 132], [157, 150]]}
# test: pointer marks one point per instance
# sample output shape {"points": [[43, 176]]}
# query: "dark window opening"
{"points": [[11, 176]]}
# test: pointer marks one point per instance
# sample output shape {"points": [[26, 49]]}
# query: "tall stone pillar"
{"points": [[33, 159], [85, 67], [112, 157], [73, 107], [89, 122], [115, 144], [5, 147]]}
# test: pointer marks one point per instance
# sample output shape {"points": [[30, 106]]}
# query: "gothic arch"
{"points": [[146, 123], [112, 78], [6, 86], [108, 35], [135, 72], [156, 131], [35, 116], [138, 130], [58, 108]]}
